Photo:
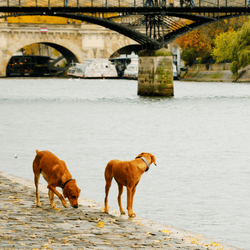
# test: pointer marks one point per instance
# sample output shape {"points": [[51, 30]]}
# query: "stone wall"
{"points": [[212, 67]]}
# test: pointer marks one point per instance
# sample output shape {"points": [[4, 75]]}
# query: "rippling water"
{"points": [[200, 138]]}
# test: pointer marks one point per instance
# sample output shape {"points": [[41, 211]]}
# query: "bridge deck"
{"points": [[158, 18]]}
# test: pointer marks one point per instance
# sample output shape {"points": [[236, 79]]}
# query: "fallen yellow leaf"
{"points": [[100, 224], [214, 244], [166, 231], [194, 241]]}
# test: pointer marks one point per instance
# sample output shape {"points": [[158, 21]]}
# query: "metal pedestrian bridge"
{"points": [[151, 23]]}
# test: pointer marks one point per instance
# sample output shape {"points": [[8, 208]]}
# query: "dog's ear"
{"points": [[153, 159], [75, 188], [66, 192]]}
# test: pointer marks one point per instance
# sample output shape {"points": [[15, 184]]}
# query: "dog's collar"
{"points": [[66, 183], [145, 160]]}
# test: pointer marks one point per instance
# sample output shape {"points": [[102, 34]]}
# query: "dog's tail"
{"points": [[36, 162]]}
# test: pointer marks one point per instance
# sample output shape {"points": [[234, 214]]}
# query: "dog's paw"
{"points": [[38, 204], [65, 204], [123, 213], [52, 206], [132, 215]]}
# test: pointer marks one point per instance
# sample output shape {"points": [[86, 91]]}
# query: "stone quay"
{"points": [[25, 226]]}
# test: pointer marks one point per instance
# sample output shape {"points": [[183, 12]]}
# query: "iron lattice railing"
{"points": [[123, 3]]}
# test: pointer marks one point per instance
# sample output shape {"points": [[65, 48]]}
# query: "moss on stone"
{"points": [[164, 72]]}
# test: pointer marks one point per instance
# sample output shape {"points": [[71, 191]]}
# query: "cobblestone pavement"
{"points": [[25, 226]]}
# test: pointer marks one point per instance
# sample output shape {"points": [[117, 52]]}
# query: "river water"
{"points": [[200, 139]]}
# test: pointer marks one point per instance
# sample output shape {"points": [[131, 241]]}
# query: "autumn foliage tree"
{"points": [[192, 46], [200, 43]]}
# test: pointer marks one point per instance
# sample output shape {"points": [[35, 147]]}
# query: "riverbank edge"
{"points": [[177, 238], [215, 76]]}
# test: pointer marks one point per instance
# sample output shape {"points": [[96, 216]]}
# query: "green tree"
{"points": [[234, 46], [242, 48], [188, 56], [224, 46]]}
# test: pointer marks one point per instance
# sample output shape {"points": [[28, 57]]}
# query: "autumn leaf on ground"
{"points": [[166, 231], [214, 244], [100, 224], [194, 241]]}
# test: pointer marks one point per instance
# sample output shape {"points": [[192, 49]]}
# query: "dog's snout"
{"points": [[75, 206]]}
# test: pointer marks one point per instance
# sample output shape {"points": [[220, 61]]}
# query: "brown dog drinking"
{"points": [[56, 173], [127, 173]]}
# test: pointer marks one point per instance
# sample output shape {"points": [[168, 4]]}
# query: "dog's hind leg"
{"points": [[108, 177], [36, 180], [107, 187], [37, 172], [120, 188]]}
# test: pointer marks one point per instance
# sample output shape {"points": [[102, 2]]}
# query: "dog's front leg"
{"points": [[53, 189], [51, 198], [133, 194], [130, 202]]}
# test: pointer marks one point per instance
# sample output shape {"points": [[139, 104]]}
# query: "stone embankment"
{"points": [[25, 226], [215, 73], [208, 76]]}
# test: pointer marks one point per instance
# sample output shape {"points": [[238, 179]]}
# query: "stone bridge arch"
{"points": [[74, 42]]}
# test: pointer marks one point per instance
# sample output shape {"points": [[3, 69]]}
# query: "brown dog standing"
{"points": [[56, 173], [127, 173]]}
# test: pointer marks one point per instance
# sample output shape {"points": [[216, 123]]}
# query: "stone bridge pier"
{"points": [[155, 76]]}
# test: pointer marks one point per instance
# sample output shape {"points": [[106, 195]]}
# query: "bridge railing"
{"points": [[124, 3], [221, 3]]}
